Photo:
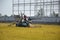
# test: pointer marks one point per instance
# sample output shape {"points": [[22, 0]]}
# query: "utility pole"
{"points": [[18, 6], [59, 8], [35, 7], [13, 7]]}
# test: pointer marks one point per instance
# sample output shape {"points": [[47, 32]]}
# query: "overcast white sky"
{"points": [[6, 7]]}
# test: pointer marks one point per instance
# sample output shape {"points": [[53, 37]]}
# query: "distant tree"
{"points": [[0, 14], [5, 16], [54, 14], [12, 15], [41, 12], [38, 13]]}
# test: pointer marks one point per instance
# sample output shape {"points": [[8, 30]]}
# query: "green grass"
{"points": [[39, 32]]}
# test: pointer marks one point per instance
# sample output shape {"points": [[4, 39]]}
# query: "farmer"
{"points": [[25, 18]]}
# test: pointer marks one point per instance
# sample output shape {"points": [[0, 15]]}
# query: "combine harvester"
{"points": [[22, 21]]}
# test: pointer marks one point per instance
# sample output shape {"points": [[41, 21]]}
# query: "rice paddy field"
{"points": [[36, 32]]}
